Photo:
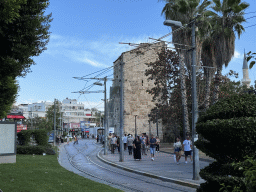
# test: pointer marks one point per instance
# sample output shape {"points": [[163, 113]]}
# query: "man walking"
{"points": [[130, 143], [152, 143], [113, 144], [125, 141], [187, 144]]}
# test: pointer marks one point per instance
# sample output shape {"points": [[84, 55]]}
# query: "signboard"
{"points": [[21, 127], [111, 129], [8, 132], [15, 117]]}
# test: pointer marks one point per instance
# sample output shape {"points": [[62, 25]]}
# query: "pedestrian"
{"points": [[118, 144], [143, 144], [125, 141], [113, 143], [177, 149], [129, 143], [152, 143], [187, 144], [109, 141], [97, 138], [157, 144], [137, 148], [147, 142], [76, 141], [68, 140]]}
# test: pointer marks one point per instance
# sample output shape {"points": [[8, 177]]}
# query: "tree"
{"points": [[165, 73], [8, 93], [185, 11], [24, 33], [50, 115], [227, 126], [227, 19]]}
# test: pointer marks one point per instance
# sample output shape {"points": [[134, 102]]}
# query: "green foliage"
{"points": [[41, 137], [250, 56], [24, 33], [49, 124], [227, 134], [37, 150], [8, 90], [10, 10], [24, 136]]}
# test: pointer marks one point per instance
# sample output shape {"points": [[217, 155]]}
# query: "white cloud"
{"points": [[238, 55], [99, 53]]}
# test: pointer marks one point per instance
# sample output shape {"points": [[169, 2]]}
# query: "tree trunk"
{"points": [[184, 96], [216, 86]]}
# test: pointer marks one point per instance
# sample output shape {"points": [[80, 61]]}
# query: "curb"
{"points": [[200, 159], [176, 181]]}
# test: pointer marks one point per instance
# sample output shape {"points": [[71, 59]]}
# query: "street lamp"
{"points": [[196, 167]]}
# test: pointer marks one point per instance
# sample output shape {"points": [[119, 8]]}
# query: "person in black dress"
{"points": [[137, 148]]}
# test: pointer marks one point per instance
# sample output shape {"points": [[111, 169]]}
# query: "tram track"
{"points": [[110, 170]]}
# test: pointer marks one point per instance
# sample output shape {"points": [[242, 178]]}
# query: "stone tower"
{"points": [[137, 102], [246, 80]]}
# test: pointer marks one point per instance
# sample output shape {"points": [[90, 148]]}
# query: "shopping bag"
{"points": [[174, 158]]}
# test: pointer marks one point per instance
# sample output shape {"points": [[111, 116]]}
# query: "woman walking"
{"points": [[177, 149], [157, 144], [137, 148]]}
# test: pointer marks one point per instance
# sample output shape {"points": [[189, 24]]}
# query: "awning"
{"points": [[15, 117]]}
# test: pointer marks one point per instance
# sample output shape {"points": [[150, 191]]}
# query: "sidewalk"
{"points": [[163, 167]]}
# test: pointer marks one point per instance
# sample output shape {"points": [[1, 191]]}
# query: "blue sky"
{"points": [[85, 38]]}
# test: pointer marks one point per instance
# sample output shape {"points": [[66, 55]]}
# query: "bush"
{"points": [[227, 134], [40, 137], [37, 150]]}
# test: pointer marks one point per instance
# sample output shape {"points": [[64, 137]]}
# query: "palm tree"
{"points": [[185, 11], [227, 17]]}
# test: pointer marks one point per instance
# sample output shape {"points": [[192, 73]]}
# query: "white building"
{"points": [[74, 112]]}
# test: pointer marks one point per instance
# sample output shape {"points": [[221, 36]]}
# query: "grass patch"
{"points": [[43, 173]]}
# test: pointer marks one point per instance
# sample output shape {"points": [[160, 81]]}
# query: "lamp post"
{"points": [[105, 114], [135, 126], [196, 167]]}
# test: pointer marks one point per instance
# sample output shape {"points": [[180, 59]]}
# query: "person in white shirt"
{"points": [[187, 144], [125, 141]]}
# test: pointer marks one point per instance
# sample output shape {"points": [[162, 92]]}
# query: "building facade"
{"points": [[137, 103]]}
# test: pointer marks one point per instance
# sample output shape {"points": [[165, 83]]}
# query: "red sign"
{"points": [[15, 117], [88, 114], [21, 127]]}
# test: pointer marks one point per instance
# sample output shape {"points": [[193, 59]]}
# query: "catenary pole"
{"points": [[121, 157], [105, 117], [196, 167]]}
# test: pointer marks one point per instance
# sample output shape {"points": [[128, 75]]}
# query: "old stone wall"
{"points": [[137, 102]]}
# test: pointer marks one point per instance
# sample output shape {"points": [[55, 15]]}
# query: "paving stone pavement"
{"points": [[163, 166]]}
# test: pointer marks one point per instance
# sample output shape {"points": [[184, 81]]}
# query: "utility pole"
{"points": [[105, 117], [121, 157], [196, 167], [54, 123], [105, 97]]}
